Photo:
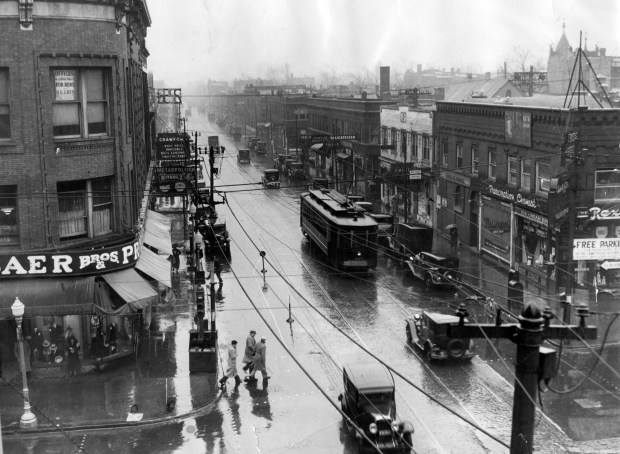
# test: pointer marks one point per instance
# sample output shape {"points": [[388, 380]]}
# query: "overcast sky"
{"points": [[192, 40]]}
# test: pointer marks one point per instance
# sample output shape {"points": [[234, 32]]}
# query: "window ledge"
{"points": [[81, 146], [7, 143]]}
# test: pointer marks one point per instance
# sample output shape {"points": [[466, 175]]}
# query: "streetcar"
{"points": [[345, 234]]}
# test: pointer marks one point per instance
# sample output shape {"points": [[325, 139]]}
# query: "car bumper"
{"points": [[444, 355], [392, 444]]}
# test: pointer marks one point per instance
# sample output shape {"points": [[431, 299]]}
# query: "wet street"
{"points": [[454, 407]]}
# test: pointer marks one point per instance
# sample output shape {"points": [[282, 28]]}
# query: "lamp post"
{"points": [[28, 419]]}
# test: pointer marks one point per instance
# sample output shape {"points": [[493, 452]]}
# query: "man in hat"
{"points": [[250, 350], [260, 360], [231, 366]]}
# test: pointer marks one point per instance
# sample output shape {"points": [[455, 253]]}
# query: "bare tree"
{"points": [[520, 60]]}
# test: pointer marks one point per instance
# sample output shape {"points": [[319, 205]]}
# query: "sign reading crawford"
{"points": [[70, 263], [172, 146]]}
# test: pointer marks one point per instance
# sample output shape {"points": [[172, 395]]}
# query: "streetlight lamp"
{"points": [[28, 419]]}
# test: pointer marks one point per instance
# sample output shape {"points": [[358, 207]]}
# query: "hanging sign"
{"points": [[596, 248]]}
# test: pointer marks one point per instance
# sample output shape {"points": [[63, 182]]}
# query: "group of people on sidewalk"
{"points": [[254, 360]]}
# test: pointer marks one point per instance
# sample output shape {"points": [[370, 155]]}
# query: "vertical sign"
{"points": [[214, 141], [64, 82]]}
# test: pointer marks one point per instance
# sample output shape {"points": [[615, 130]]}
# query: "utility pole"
{"points": [[532, 363]]}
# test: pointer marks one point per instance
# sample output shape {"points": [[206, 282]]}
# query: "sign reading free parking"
{"points": [[596, 248]]}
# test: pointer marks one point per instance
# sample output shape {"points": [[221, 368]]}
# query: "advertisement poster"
{"points": [[496, 228], [64, 82]]}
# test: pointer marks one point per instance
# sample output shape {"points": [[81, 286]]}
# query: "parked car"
{"points": [[243, 156], [385, 228], [222, 239], [271, 178], [434, 270], [296, 171], [429, 331], [252, 143], [409, 239], [368, 400], [261, 146]]}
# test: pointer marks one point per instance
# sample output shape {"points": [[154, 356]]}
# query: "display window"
{"points": [[496, 228]]}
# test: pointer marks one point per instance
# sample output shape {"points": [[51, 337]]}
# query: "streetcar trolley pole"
{"points": [[533, 362]]}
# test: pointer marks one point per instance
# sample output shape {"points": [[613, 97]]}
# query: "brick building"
{"points": [[75, 141]]}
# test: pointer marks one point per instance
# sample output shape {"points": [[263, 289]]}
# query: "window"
{"points": [[5, 111], [444, 154], [607, 185], [513, 170], [526, 170], [80, 102], [459, 156], [414, 147], [542, 177], [475, 160], [492, 165], [84, 208], [384, 138], [458, 199], [426, 149], [8, 215], [403, 144]]}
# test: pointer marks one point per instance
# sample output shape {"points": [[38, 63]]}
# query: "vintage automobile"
{"points": [[243, 156], [434, 270], [296, 171], [252, 143], [271, 178], [222, 240], [409, 239], [261, 146], [385, 229], [368, 402], [429, 331]]}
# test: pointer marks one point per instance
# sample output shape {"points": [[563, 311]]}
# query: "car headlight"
{"points": [[395, 426], [372, 428]]}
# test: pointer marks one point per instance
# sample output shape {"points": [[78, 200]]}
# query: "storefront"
{"points": [[101, 297]]}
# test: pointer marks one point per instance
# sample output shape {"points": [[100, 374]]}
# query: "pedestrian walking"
{"points": [[73, 357], [231, 366], [217, 267], [250, 350], [176, 259], [260, 360], [454, 240]]}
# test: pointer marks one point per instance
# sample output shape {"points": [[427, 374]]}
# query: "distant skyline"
{"points": [[196, 40]]}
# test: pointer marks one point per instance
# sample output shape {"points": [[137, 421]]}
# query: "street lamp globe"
{"points": [[18, 308], [192, 209]]}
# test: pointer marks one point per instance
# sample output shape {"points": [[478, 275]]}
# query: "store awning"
{"points": [[154, 215], [47, 297], [155, 265], [157, 232], [316, 146], [131, 287]]}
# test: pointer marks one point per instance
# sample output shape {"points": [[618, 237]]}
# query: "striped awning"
{"points": [[155, 265]]}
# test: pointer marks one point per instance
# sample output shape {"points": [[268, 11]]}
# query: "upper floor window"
{"points": [[403, 144], [80, 102], [5, 108], [513, 171], [526, 170], [475, 160], [459, 156], [8, 215], [607, 185], [492, 165], [542, 177], [426, 148], [444, 154], [84, 208]]}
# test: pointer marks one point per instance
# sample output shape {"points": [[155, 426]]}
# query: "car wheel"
{"points": [[456, 348], [408, 331], [428, 281]]}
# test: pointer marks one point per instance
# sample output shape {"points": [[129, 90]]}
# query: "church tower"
{"points": [[559, 65]]}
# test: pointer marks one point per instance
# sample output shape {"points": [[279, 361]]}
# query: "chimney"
{"points": [[384, 82], [419, 68], [364, 95], [603, 51]]}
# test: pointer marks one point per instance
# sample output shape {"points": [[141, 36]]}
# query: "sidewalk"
{"points": [[156, 380]]}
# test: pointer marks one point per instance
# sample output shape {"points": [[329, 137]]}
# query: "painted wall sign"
{"points": [[513, 195], [539, 219], [596, 248], [70, 263]]}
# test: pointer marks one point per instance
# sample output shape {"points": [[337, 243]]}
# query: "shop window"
{"points": [[526, 170], [459, 156], [414, 146], [5, 108], [384, 136], [84, 208], [426, 148], [9, 233], [542, 177], [475, 160], [513, 171], [492, 165], [607, 185], [444, 154], [80, 102], [458, 199]]}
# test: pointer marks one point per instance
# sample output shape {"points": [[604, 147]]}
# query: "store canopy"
{"points": [[157, 232], [48, 297], [316, 146], [132, 288], [155, 265]]}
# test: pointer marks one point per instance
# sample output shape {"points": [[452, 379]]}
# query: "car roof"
{"points": [[441, 318], [271, 170], [370, 377]]}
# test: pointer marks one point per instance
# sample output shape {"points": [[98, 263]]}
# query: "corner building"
{"points": [[75, 128]]}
